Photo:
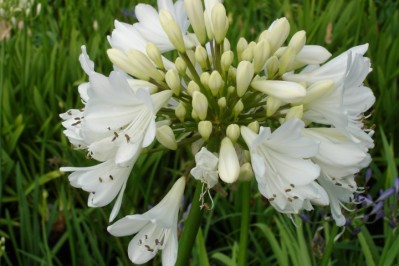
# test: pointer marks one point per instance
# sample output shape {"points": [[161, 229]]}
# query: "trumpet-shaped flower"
{"points": [[156, 229], [285, 174]]}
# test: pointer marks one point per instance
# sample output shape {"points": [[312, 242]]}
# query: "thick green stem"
{"points": [[191, 227], [243, 248]]}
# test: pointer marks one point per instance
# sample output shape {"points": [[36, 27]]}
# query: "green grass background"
{"points": [[45, 221]]}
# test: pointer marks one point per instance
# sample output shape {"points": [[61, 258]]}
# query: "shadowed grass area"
{"points": [[47, 222]]}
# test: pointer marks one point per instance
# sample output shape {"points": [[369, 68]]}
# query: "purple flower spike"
{"points": [[380, 214], [364, 200], [387, 193], [377, 207]]}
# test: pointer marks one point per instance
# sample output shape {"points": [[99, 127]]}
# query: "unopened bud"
{"points": [[241, 46], [205, 78], [200, 105], [215, 83], [172, 30], [278, 33], [233, 132], [192, 86], [166, 137], [272, 105], [231, 90], [181, 66], [155, 55], [226, 60], [232, 73], [272, 65], [298, 41], [229, 166], [245, 73], [205, 129], [238, 107], [261, 54], [246, 172], [226, 45], [287, 60], [195, 13], [173, 81], [220, 22], [294, 112], [254, 126], [248, 53], [142, 63], [222, 102], [180, 112], [201, 56]]}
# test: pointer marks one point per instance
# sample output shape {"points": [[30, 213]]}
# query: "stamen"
{"points": [[101, 180], [76, 123], [111, 177], [127, 137], [292, 185], [148, 248], [288, 190], [115, 136]]}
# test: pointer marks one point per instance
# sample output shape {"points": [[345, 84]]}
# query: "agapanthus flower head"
{"points": [[272, 107]]}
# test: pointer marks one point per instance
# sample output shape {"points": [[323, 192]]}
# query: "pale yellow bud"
{"points": [[215, 83], [287, 60], [181, 66], [238, 107], [141, 62], [173, 81], [245, 73], [180, 112], [233, 132], [248, 53], [195, 13], [205, 129], [155, 55], [222, 102], [166, 137], [220, 22], [261, 54], [172, 29], [232, 73], [241, 46], [200, 105], [272, 105], [294, 112], [120, 59], [192, 86], [194, 115], [246, 172], [201, 56], [254, 126], [231, 90], [298, 41], [228, 166], [278, 33], [205, 78], [226, 45], [226, 60], [272, 65], [317, 90]]}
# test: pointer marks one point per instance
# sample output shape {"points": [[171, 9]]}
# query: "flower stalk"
{"points": [[243, 247]]}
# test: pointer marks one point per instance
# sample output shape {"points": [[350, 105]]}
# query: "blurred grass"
{"points": [[46, 222]]}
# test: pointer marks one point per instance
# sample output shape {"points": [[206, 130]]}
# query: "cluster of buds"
{"points": [[270, 108]]}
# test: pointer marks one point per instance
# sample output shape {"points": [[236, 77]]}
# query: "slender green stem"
{"points": [[191, 227], [243, 248]]}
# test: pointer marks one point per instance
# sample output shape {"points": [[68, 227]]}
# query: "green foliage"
{"points": [[47, 222]]}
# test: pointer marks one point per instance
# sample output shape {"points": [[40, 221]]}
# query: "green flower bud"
{"points": [[205, 129], [166, 137]]}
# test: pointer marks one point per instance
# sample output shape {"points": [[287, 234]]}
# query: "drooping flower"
{"points": [[156, 229], [205, 168]]}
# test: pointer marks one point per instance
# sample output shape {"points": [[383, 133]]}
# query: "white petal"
{"points": [[128, 225], [283, 90], [169, 253]]}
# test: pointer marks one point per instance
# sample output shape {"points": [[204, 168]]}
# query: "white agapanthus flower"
{"points": [[270, 107], [155, 230], [285, 174]]}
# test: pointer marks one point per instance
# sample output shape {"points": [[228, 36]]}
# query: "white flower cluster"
{"points": [[272, 108]]}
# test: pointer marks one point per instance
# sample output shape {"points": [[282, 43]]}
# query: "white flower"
{"points": [[156, 229], [282, 169], [205, 168], [104, 181], [118, 120]]}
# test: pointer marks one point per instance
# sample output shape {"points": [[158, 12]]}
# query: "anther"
{"points": [[338, 184], [115, 136], [101, 180], [111, 177], [148, 248], [292, 185], [127, 137], [289, 199], [288, 190], [76, 123], [295, 197]]}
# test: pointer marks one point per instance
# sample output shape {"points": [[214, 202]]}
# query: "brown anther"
{"points": [[76, 123], [295, 197], [111, 177], [338, 184], [289, 199], [101, 180], [288, 190], [115, 136], [292, 185], [127, 137], [148, 248]]}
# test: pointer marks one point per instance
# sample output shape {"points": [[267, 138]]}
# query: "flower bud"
{"points": [[226, 60], [200, 105], [181, 66], [318, 89], [245, 73], [192, 86], [120, 59], [254, 126], [201, 56], [222, 102], [241, 46], [294, 112], [229, 166], [155, 55], [166, 137], [272, 105], [180, 112], [246, 172], [298, 41], [278, 33], [215, 83], [261, 54], [238, 107], [272, 65], [220, 22], [232, 73], [226, 45], [205, 78], [287, 60], [194, 115], [248, 53], [172, 30], [231, 90], [205, 129], [140, 62], [233, 132], [173, 81], [195, 13]]}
